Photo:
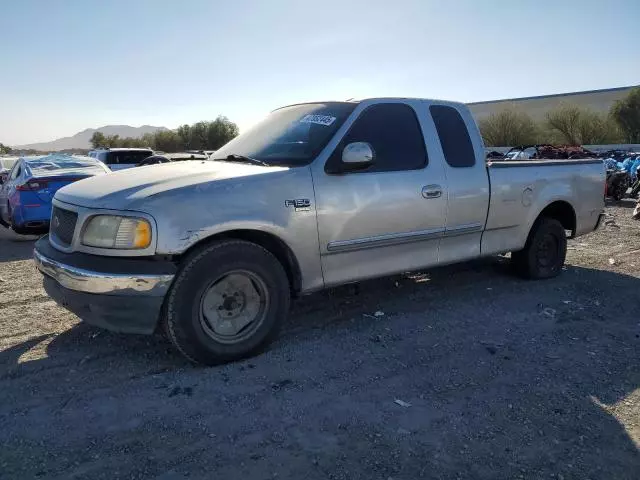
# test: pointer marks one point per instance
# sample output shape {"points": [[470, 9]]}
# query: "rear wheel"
{"points": [[622, 187], [12, 226], [545, 251], [227, 302], [618, 193]]}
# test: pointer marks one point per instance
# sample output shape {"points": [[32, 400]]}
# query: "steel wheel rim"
{"points": [[547, 253], [234, 306]]}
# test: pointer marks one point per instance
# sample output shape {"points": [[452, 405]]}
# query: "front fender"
{"points": [[244, 204]]}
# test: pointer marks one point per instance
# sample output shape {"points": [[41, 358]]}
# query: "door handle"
{"points": [[432, 191]]}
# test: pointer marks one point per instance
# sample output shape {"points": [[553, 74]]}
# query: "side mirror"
{"points": [[3, 178], [357, 156]]}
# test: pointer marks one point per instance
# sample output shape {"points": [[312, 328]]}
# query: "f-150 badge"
{"points": [[299, 204]]}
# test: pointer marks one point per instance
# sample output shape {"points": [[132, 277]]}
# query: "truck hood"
{"points": [[119, 190]]}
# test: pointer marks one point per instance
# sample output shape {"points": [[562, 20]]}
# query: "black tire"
{"points": [[14, 228], [545, 251], [200, 270], [618, 193]]}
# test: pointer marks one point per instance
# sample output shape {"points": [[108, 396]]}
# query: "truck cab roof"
{"points": [[376, 100]]}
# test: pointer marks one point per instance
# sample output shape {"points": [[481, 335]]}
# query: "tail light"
{"points": [[36, 184], [32, 185]]}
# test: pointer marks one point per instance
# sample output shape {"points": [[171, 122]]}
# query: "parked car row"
{"points": [[27, 189], [28, 186], [123, 158], [172, 157]]}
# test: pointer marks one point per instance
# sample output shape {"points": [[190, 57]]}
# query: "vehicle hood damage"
{"points": [[120, 190]]}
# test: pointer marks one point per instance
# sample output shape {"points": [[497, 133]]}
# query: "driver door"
{"points": [[388, 218]]}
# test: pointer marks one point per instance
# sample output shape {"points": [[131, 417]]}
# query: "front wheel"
{"points": [[545, 251], [227, 302]]}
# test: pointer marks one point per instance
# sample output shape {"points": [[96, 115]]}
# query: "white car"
{"points": [[121, 158]]}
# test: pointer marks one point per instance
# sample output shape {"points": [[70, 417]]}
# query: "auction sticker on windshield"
{"points": [[325, 120]]}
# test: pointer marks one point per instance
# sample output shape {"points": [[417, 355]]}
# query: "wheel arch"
{"points": [[562, 211], [269, 241]]}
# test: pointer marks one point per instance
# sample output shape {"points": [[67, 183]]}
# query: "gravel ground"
{"points": [[470, 373]]}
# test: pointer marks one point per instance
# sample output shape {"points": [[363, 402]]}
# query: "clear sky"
{"points": [[67, 65]]}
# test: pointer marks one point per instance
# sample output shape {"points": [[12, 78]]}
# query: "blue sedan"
{"points": [[27, 189]]}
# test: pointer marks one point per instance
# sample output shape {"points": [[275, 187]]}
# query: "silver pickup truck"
{"points": [[316, 195]]}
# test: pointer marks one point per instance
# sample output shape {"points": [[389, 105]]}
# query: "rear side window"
{"points": [[394, 132], [454, 136], [128, 158], [17, 170], [123, 157]]}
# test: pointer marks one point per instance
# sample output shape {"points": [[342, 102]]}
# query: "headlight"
{"points": [[110, 231]]}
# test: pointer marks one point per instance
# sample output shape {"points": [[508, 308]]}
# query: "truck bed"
{"points": [[519, 189]]}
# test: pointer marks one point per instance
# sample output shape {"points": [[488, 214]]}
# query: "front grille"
{"points": [[63, 224]]}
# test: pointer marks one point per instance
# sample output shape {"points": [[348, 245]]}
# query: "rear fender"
{"points": [[543, 201], [511, 238], [27, 206]]}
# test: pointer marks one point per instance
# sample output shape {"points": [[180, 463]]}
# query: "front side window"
{"points": [[290, 136], [393, 130]]}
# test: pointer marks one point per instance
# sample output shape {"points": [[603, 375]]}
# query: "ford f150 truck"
{"points": [[316, 195]]}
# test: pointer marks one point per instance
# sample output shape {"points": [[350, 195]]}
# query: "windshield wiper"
{"points": [[242, 159]]}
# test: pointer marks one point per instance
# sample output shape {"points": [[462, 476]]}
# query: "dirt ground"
{"points": [[470, 373]]}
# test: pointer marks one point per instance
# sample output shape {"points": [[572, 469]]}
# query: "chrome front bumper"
{"points": [[87, 281]]}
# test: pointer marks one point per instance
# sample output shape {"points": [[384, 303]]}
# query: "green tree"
{"points": [[598, 129], [626, 113], [580, 126], [199, 136], [112, 141], [564, 121], [167, 141], [509, 127], [97, 140], [219, 132], [148, 140], [127, 142], [5, 148], [184, 131]]}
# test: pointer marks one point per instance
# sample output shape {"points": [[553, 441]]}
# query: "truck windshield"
{"points": [[291, 136]]}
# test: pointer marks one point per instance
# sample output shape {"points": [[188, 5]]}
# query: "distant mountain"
{"points": [[81, 139]]}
